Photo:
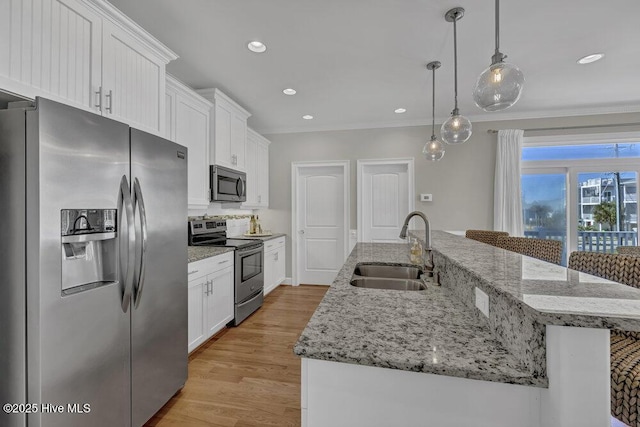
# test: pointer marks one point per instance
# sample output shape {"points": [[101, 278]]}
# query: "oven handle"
{"points": [[250, 251], [251, 299]]}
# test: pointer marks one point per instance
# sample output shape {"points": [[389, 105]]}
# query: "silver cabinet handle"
{"points": [[222, 262], [124, 202], [193, 272], [109, 96], [138, 201], [276, 256], [98, 104], [301, 231]]}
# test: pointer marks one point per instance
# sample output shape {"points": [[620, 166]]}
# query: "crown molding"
{"points": [[482, 117], [113, 14]]}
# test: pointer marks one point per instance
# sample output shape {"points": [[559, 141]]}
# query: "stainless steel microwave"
{"points": [[227, 185]]}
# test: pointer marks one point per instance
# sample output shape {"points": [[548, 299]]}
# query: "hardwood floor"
{"points": [[248, 375]]}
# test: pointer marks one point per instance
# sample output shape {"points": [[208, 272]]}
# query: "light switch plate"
{"points": [[426, 197], [482, 302]]}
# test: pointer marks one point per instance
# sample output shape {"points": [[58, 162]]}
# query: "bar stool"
{"points": [[544, 249]]}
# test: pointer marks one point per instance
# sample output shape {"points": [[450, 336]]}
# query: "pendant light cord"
{"points": [[433, 106], [497, 26], [455, 65]]}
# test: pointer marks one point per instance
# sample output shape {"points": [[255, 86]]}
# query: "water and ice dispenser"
{"points": [[89, 249]]}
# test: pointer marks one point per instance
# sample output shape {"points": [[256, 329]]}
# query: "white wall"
{"points": [[461, 183]]}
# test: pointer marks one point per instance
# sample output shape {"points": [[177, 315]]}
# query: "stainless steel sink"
{"points": [[397, 271], [388, 283]]}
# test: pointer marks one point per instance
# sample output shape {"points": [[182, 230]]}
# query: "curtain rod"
{"points": [[573, 127]]}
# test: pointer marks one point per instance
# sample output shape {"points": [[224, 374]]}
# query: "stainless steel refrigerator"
{"points": [[93, 274]]}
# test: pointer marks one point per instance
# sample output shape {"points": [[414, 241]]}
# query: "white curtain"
{"points": [[507, 198]]}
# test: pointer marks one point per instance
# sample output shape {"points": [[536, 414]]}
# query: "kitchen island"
{"points": [[376, 357]]}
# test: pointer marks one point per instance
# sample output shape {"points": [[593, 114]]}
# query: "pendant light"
{"points": [[457, 129], [500, 85], [434, 149]]}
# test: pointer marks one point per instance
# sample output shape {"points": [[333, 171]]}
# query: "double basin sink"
{"points": [[401, 277]]}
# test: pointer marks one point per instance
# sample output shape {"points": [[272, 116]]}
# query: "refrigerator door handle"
{"points": [[138, 201], [125, 203]]}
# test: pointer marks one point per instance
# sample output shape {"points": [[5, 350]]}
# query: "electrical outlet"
{"points": [[482, 302], [426, 197]]}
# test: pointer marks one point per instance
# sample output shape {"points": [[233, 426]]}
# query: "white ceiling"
{"points": [[354, 61]]}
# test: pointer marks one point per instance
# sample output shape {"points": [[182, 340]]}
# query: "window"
{"points": [[582, 189]]}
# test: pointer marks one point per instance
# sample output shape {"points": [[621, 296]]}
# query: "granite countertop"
{"points": [[555, 295], [263, 238], [196, 253], [428, 331]]}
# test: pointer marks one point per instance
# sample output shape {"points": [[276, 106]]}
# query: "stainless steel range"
{"points": [[249, 262]]}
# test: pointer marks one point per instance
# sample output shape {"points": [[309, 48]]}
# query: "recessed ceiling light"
{"points": [[307, 117], [400, 110], [257, 47], [590, 58], [289, 91]]}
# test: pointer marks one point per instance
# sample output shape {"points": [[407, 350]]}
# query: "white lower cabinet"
{"points": [[274, 263], [210, 297]]}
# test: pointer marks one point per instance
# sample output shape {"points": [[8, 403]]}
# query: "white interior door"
{"points": [[321, 218], [385, 197]]}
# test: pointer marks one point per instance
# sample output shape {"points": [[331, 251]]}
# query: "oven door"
{"points": [[227, 185], [249, 272]]}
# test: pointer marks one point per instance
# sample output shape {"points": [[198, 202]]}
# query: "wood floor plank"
{"points": [[247, 376]]}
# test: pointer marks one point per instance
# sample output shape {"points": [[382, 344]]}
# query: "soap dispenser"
{"points": [[415, 252]]}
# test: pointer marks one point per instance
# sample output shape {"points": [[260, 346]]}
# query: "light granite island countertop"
{"points": [[420, 331], [539, 359]]}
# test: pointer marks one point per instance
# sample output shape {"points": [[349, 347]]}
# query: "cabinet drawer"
{"points": [[274, 244], [209, 265]]}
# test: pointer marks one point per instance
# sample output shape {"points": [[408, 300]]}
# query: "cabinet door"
{"points": [[133, 81], [196, 326], [170, 115], [279, 260], [192, 131], [222, 139], [262, 161], [269, 271], [238, 141], [51, 48], [253, 180], [220, 300]]}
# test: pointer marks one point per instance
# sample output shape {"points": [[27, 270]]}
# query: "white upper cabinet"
{"points": [[228, 130], [262, 161], [257, 156], [133, 80], [87, 54], [188, 118], [51, 48]]}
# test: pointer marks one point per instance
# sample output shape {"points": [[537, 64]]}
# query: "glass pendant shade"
{"points": [[456, 130], [498, 87], [433, 150]]}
